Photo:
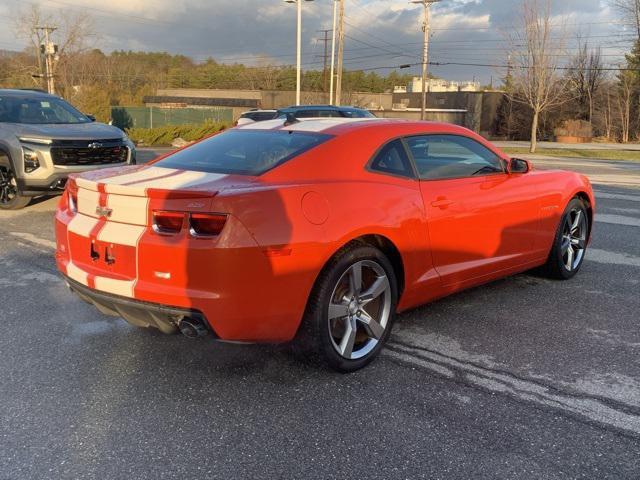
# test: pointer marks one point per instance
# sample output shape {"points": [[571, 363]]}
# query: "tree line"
{"points": [[94, 80], [546, 97]]}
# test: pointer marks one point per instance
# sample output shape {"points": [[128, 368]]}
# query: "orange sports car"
{"points": [[319, 230]]}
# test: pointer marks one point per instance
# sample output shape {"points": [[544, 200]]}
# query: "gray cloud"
{"points": [[380, 32]]}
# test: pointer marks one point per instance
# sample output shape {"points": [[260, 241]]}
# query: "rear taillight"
{"points": [[167, 222], [200, 224], [72, 197], [206, 224]]}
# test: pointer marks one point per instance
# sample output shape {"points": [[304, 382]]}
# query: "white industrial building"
{"points": [[437, 85]]}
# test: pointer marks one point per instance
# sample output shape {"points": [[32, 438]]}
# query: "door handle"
{"points": [[442, 203]]}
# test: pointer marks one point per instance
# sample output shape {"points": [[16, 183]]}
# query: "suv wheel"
{"points": [[10, 198]]}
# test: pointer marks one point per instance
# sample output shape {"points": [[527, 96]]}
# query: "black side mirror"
{"points": [[91, 117], [518, 165]]}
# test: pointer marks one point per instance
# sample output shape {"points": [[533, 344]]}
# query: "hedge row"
{"points": [[165, 135]]}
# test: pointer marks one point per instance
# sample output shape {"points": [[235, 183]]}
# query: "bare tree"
{"points": [[535, 73], [72, 36], [604, 104], [624, 97], [585, 78], [264, 76], [629, 10], [25, 24]]}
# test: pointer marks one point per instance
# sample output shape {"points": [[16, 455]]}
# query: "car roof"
{"points": [[16, 92], [319, 107], [259, 110], [339, 126]]}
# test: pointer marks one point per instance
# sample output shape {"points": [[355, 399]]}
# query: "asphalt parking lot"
{"points": [[521, 378]]}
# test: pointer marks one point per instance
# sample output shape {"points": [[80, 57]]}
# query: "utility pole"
{"points": [[325, 57], [340, 54], [298, 47], [333, 50], [49, 50], [425, 52]]}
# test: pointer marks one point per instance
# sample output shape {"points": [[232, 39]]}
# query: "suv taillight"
{"points": [[206, 224]]}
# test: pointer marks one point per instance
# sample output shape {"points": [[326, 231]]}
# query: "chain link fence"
{"points": [[151, 117]]}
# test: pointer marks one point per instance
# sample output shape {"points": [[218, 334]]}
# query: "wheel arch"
{"points": [[382, 243], [586, 199], [389, 249], [5, 157]]}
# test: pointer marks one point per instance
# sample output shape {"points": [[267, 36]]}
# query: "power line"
{"points": [[440, 64]]}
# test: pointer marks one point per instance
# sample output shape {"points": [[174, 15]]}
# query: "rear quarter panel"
{"points": [[332, 201]]}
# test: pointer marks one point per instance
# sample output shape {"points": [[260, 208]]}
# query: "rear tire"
{"points": [[10, 198], [570, 243], [351, 309]]}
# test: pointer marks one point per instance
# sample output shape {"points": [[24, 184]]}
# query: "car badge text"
{"points": [[103, 211], [94, 145]]}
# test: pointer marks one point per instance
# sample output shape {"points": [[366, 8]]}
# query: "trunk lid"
{"points": [[114, 211]]}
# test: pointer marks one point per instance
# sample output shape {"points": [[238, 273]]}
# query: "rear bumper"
{"points": [[238, 291], [137, 312]]}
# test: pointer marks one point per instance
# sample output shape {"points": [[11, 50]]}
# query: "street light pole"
{"points": [[299, 52], [425, 52], [333, 50], [338, 98], [298, 47]]}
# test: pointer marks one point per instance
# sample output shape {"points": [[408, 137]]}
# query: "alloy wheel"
{"points": [[8, 186], [359, 309], [574, 239]]}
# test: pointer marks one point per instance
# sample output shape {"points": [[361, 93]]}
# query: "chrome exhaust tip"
{"points": [[192, 328]]}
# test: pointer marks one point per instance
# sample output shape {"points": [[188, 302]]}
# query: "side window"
{"points": [[307, 113], [452, 156], [354, 114], [392, 158]]}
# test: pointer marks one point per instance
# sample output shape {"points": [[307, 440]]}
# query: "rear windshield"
{"points": [[43, 110], [243, 152]]}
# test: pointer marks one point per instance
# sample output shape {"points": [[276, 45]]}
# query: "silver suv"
{"points": [[43, 139]]}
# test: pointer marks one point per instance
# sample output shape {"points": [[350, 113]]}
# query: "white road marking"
{"points": [[420, 350], [615, 179], [617, 219], [33, 239], [616, 196], [611, 258], [626, 210]]}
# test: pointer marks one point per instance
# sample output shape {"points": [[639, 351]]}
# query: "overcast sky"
{"points": [[380, 33]]}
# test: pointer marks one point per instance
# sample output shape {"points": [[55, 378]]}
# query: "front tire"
{"points": [[10, 198], [570, 243], [351, 308]]}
